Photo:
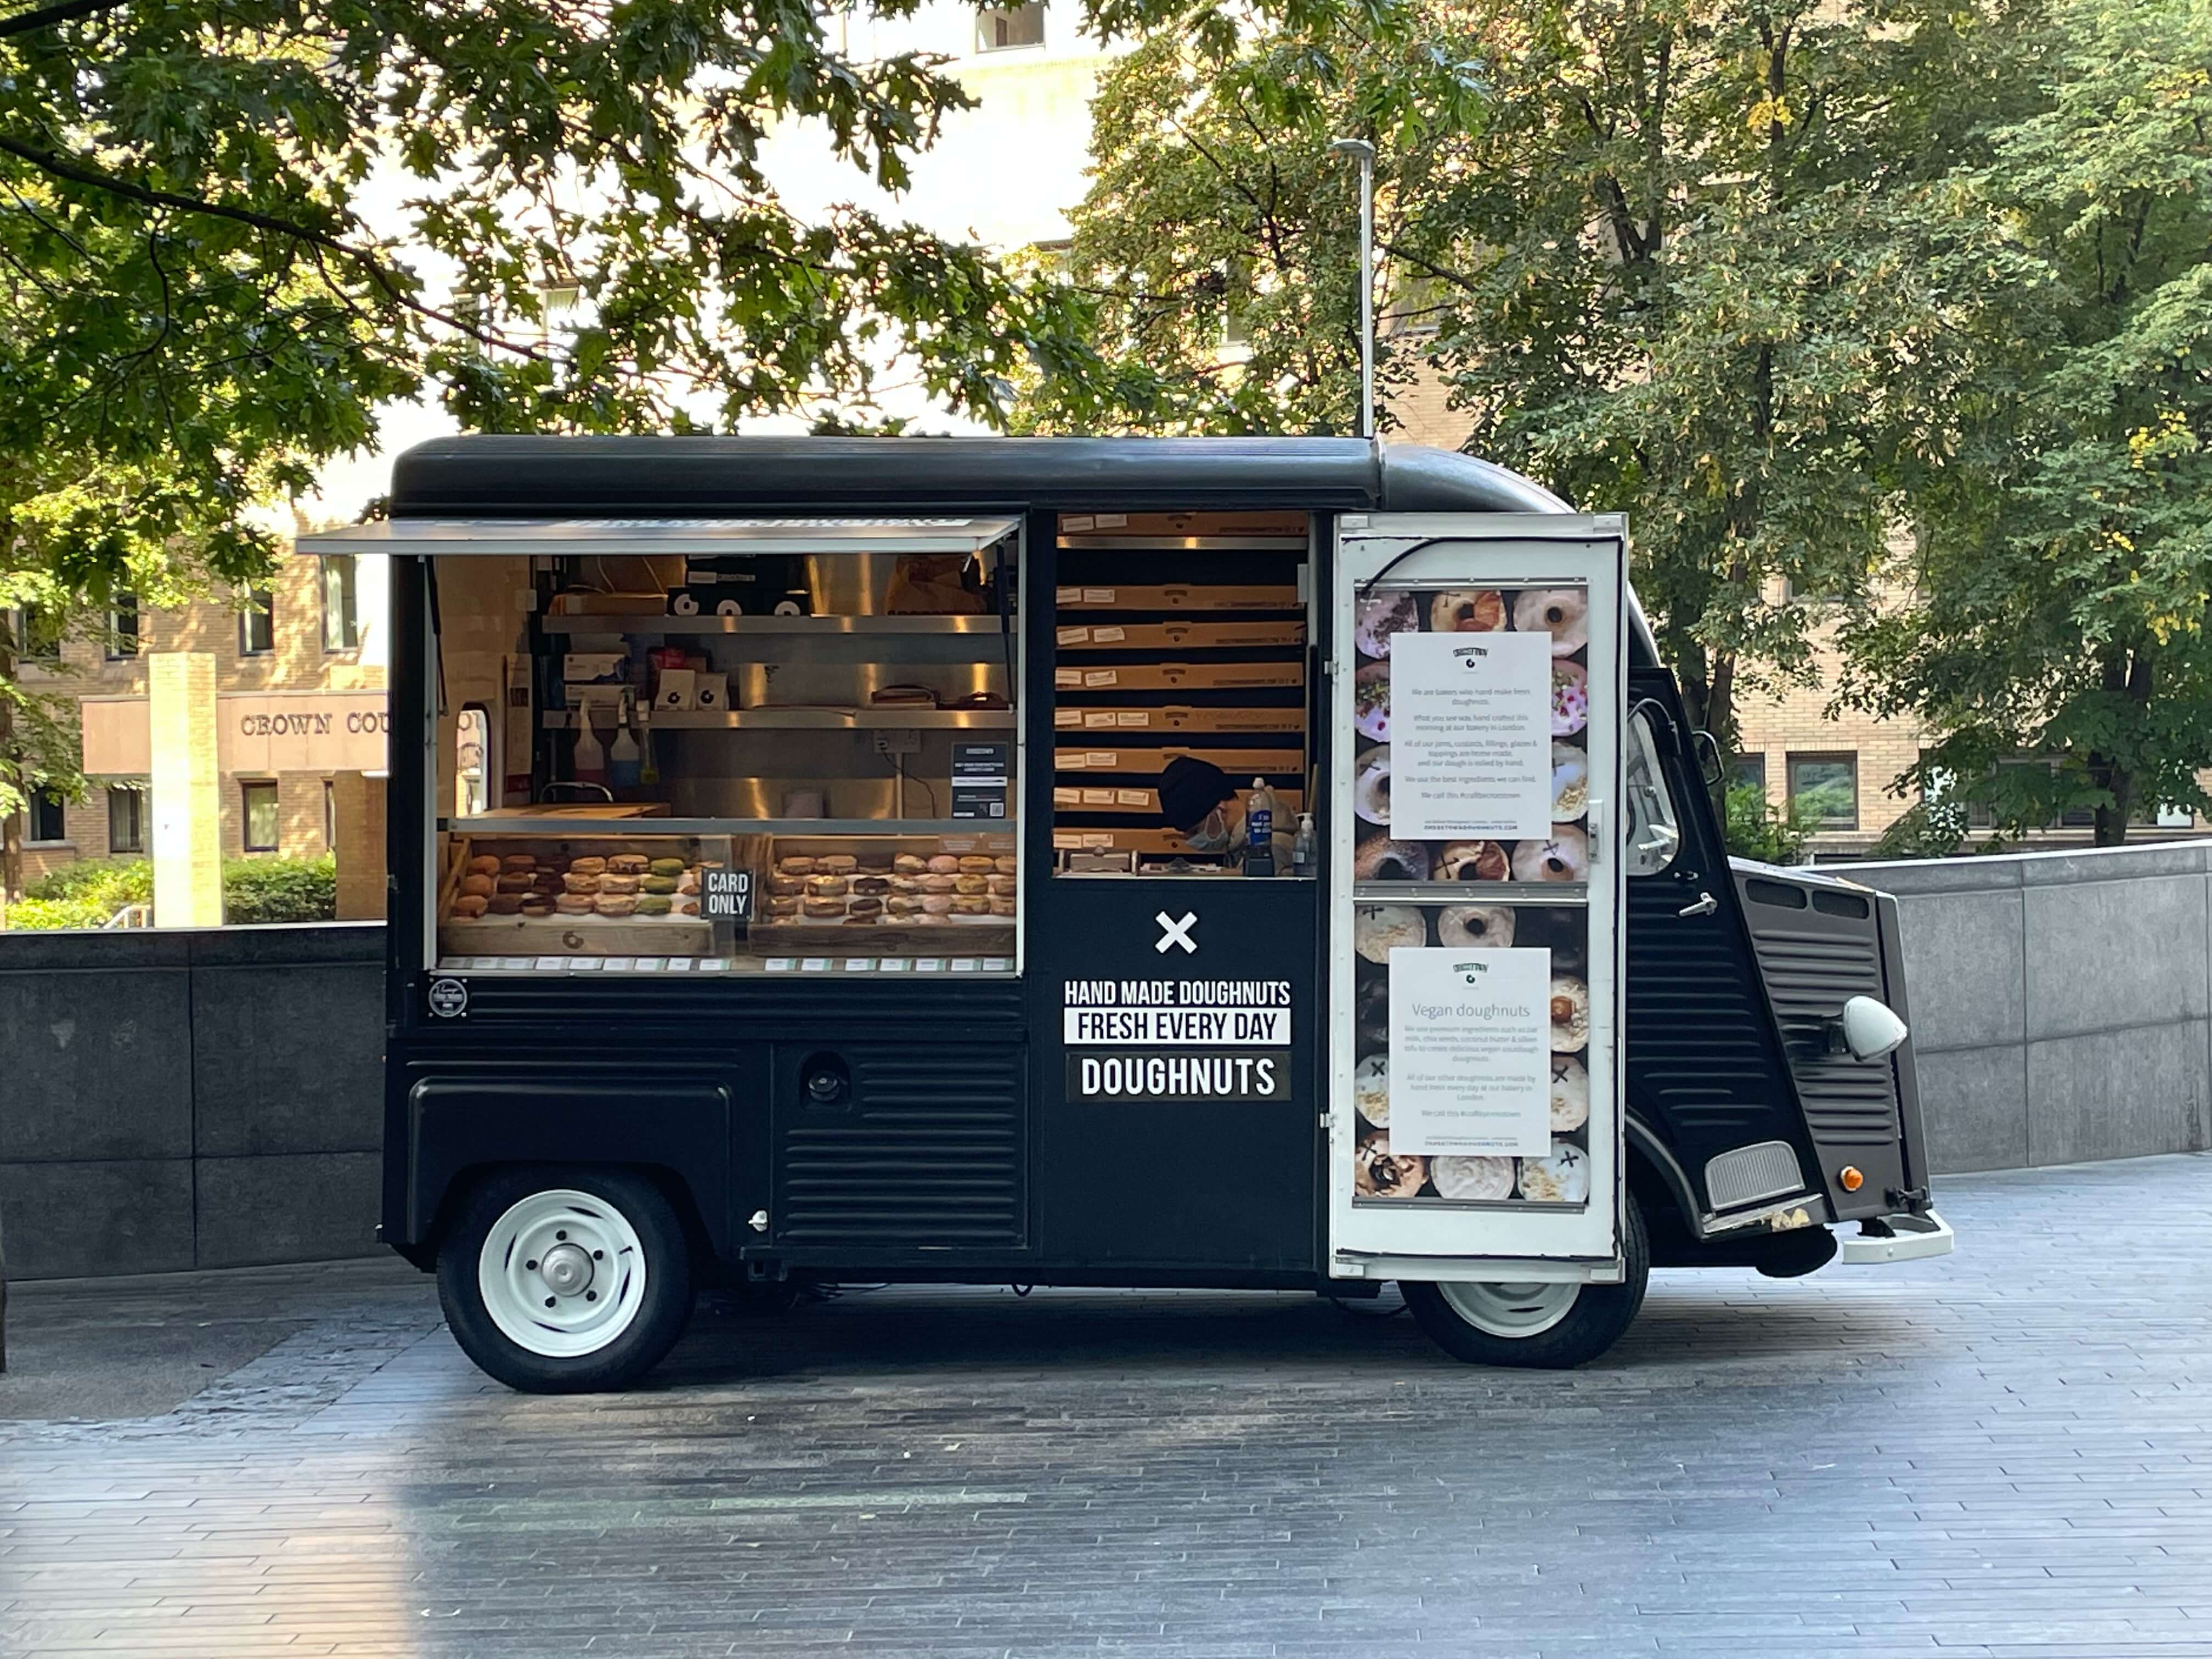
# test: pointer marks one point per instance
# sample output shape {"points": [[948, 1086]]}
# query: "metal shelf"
{"points": [[787, 627], [812, 720], [1471, 892], [603, 829]]}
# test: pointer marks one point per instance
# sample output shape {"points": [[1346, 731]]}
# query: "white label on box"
{"points": [[1097, 717], [1470, 736], [553, 965], [584, 964], [1068, 596], [1066, 840], [1470, 1046], [620, 964], [1099, 596], [1133, 798], [1065, 797], [814, 964], [1071, 636], [1095, 677], [997, 964], [1067, 678], [513, 964], [895, 965], [652, 965], [1102, 757], [1070, 523], [1112, 520], [678, 690], [858, 964], [1071, 717], [679, 965], [929, 964], [780, 964], [1133, 717], [1108, 636], [1096, 797], [965, 965]]}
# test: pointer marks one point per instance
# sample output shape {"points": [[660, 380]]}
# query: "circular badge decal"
{"points": [[449, 998]]}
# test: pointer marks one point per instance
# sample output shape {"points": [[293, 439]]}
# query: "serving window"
{"points": [[750, 747], [1179, 637]]}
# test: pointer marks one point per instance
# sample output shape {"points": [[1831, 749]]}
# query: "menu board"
{"points": [[1471, 736], [1470, 1052]]}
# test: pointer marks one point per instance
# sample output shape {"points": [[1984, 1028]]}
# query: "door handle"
{"points": [[1705, 906]]}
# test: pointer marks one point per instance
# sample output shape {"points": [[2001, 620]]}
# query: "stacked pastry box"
{"points": [[611, 897], [888, 885], [1418, 909], [1146, 671]]}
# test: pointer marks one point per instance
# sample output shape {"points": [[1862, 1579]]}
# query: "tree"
{"points": [[1676, 257], [2055, 639], [230, 228]]}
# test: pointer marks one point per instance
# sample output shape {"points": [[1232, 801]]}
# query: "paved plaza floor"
{"points": [[2004, 1452]]}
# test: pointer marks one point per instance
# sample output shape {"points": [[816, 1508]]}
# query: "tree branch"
{"points": [[65, 11]]}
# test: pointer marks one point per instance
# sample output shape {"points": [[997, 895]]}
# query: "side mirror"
{"points": [[1709, 759], [1871, 1029]]}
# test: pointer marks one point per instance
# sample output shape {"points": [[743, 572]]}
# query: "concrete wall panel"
{"points": [[2106, 955], [1966, 968], [288, 1059], [68, 1220], [319, 1207], [1975, 1104], [2117, 1094], [97, 1064]]}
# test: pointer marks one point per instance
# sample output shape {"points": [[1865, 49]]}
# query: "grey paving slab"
{"points": [[2002, 1453]]}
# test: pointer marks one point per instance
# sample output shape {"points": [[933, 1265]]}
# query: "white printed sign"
{"points": [[1470, 1051], [1470, 736]]}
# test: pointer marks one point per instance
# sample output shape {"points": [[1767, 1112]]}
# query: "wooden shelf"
{"points": [[785, 627], [505, 825], [812, 720]]}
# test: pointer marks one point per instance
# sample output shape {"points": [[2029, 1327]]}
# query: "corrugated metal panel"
{"points": [[1696, 1047], [1812, 967], [929, 1152]]}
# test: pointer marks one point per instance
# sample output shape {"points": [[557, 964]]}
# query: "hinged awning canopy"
{"points": [[556, 537]]}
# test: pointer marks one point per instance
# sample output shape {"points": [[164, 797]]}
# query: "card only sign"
{"points": [[1471, 1051], [726, 895]]}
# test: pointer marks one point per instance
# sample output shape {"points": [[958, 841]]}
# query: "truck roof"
{"points": [[493, 476]]}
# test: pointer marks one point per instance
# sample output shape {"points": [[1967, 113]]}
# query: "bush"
{"points": [[279, 889], [1758, 830]]}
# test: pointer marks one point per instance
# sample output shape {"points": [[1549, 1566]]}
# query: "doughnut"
{"points": [[819, 907], [1563, 857], [1370, 1089], [1570, 1094], [870, 908], [1569, 1014], [1372, 1019], [688, 882], [514, 861], [1001, 906], [483, 866], [654, 904], [1468, 610], [787, 886], [904, 883], [537, 904], [1006, 863], [971, 885], [471, 905], [976, 864], [945, 865], [1569, 697], [933, 920], [666, 867], [1482, 926], [1562, 1178], [936, 904], [1370, 701], [875, 863], [1562, 612], [909, 864], [1462, 1177], [574, 904], [588, 867], [1000, 886], [1378, 1172], [615, 904], [1376, 928], [629, 864], [971, 905], [1379, 618], [547, 881], [902, 905], [1472, 861], [1370, 788], [516, 881], [1569, 782], [827, 886], [1380, 859], [478, 886], [659, 885], [938, 884], [622, 886], [876, 885], [798, 864], [506, 904], [783, 907], [837, 864], [576, 882], [686, 906]]}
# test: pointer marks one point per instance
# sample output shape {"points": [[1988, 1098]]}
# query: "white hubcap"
{"points": [[563, 1273], [1518, 1310]]}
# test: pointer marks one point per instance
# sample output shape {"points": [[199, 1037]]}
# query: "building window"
{"points": [[1826, 788], [38, 634], [123, 628], [471, 749], [126, 820], [47, 822], [1747, 771], [999, 27], [341, 607], [330, 816], [260, 802], [256, 624]]}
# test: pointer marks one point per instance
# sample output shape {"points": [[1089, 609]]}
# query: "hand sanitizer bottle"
{"points": [[1305, 851], [1259, 829]]}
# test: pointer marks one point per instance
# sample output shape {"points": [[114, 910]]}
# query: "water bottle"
{"points": [[1305, 851], [1259, 829]]}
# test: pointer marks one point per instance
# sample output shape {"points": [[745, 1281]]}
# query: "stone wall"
{"points": [[2061, 1002], [189, 1098]]}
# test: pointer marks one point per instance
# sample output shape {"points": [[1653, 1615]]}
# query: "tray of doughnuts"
{"points": [[920, 886]]}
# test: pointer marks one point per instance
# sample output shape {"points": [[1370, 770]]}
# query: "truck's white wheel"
{"points": [[1533, 1324], [559, 1281], [562, 1273]]}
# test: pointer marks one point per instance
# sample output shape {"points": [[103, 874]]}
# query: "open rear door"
{"points": [[1475, 1120]]}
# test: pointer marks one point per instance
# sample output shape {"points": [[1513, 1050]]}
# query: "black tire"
{"points": [[661, 1310], [1600, 1313]]}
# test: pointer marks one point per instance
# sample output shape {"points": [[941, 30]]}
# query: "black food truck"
{"points": [[1270, 864]]}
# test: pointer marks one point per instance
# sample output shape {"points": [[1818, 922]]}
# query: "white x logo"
{"points": [[1177, 933]]}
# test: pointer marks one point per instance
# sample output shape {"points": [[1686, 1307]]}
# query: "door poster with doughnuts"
{"points": [[1489, 733]]}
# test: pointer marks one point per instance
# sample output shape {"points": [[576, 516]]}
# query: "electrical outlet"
{"points": [[898, 740]]}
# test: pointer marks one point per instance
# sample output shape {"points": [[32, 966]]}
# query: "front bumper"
{"points": [[1898, 1238]]}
